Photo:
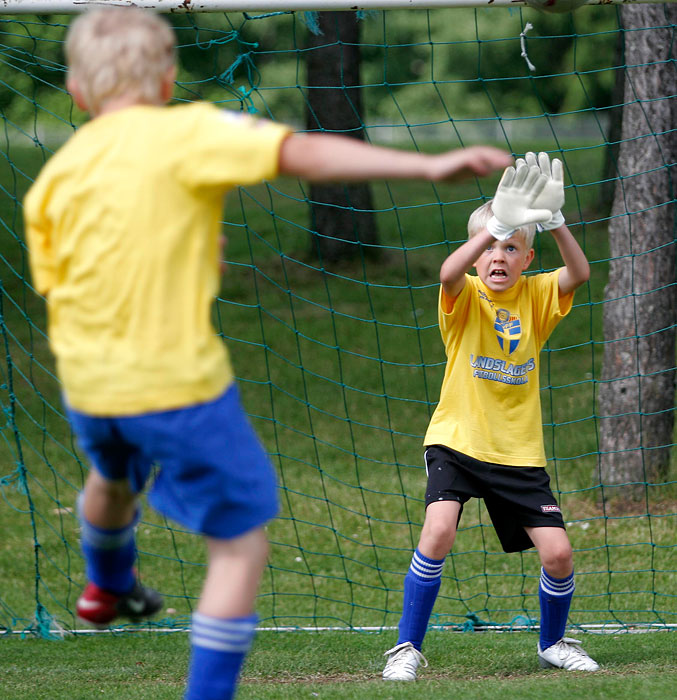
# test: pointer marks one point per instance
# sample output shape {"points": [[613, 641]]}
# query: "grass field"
{"points": [[340, 666]]}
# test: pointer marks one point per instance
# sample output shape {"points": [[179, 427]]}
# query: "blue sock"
{"points": [[421, 585], [218, 648], [555, 597], [109, 555]]}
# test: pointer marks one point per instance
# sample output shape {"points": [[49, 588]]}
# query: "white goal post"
{"points": [[74, 6]]}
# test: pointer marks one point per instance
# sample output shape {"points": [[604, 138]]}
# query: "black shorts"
{"points": [[515, 497]]}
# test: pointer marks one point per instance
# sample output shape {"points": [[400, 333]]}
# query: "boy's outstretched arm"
{"points": [[328, 157], [576, 269], [452, 272]]}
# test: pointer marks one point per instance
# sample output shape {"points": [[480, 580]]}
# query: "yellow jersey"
{"points": [[490, 406], [122, 226]]}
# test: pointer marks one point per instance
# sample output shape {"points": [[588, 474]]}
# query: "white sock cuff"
{"points": [[232, 635], [101, 538], [424, 568], [556, 586]]}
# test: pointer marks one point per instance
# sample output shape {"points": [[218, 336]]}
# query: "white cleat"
{"points": [[403, 660], [566, 654]]}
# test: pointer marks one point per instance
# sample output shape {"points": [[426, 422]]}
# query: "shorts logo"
{"points": [[508, 330], [550, 509]]}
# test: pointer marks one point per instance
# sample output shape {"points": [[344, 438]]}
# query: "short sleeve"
{"points": [[451, 312], [39, 240], [223, 148], [552, 306]]}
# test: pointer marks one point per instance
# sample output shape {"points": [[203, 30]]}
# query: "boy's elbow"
{"points": [[452, 284], [447, 280], [580, 278]]}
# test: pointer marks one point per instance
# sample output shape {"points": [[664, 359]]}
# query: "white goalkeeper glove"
{"points": [[512, 203], [552, 195]]}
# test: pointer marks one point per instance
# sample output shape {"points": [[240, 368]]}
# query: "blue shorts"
{"points": [[214, 476]]}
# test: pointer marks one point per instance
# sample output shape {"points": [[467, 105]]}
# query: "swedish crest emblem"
{"points": [[508, 330]]}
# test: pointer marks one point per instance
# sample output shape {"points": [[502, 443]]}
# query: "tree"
{"points": [[636, 396], [342, 215]]}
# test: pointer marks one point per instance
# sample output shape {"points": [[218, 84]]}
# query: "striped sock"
{"points": [[421, 585], [109, 555], [218, 648], [555, 597]]}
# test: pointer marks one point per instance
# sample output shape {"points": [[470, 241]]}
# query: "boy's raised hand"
{"points": [[552, 195], [512, 203], [461, 163]]}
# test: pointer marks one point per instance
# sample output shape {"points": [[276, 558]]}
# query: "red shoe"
{"points": [[99, 607]]}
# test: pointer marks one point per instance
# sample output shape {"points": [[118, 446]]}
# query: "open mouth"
{"points": [[498, 274]]}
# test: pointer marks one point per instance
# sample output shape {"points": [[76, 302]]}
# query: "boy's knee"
{"points": [[437, 536], [106, 503], [251, 547], [118, 490], [558, 560]]}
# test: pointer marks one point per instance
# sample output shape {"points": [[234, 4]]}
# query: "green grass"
{"points": [[295, 665]]}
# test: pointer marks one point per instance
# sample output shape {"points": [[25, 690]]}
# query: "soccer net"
{"points": [[329, 308]]}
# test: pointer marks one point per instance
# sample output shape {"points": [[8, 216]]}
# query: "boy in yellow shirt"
{"points": [[123, 230], [485, 439]]}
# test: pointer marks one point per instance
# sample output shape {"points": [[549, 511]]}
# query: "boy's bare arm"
{"points": [[328, 157], [576, 269], [452, 272]]}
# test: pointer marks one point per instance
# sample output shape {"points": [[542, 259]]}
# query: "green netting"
{"points": [[340, 362]]}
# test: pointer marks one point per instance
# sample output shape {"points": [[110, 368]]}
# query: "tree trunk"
{"points": [[614, 130], [343, 221], [636, 396]]}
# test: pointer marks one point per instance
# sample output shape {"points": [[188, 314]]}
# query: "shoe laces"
{"points": [[401, 655], [567, 645], [570, 647]]}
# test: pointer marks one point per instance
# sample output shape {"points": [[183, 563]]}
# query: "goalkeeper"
{"points": [[123, 230], [485, 438]]}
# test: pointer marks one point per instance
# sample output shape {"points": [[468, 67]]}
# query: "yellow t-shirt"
{"points": [[490, 406], [122, 226]]}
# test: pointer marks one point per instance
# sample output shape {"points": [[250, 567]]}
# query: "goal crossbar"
{"points": [[182, 6]]}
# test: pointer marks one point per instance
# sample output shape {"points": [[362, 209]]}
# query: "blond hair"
{"points": [[478, 220], [119, 51]]}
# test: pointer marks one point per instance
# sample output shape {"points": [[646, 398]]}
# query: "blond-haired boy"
{"points": [[123, 230], [489, 444]]}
